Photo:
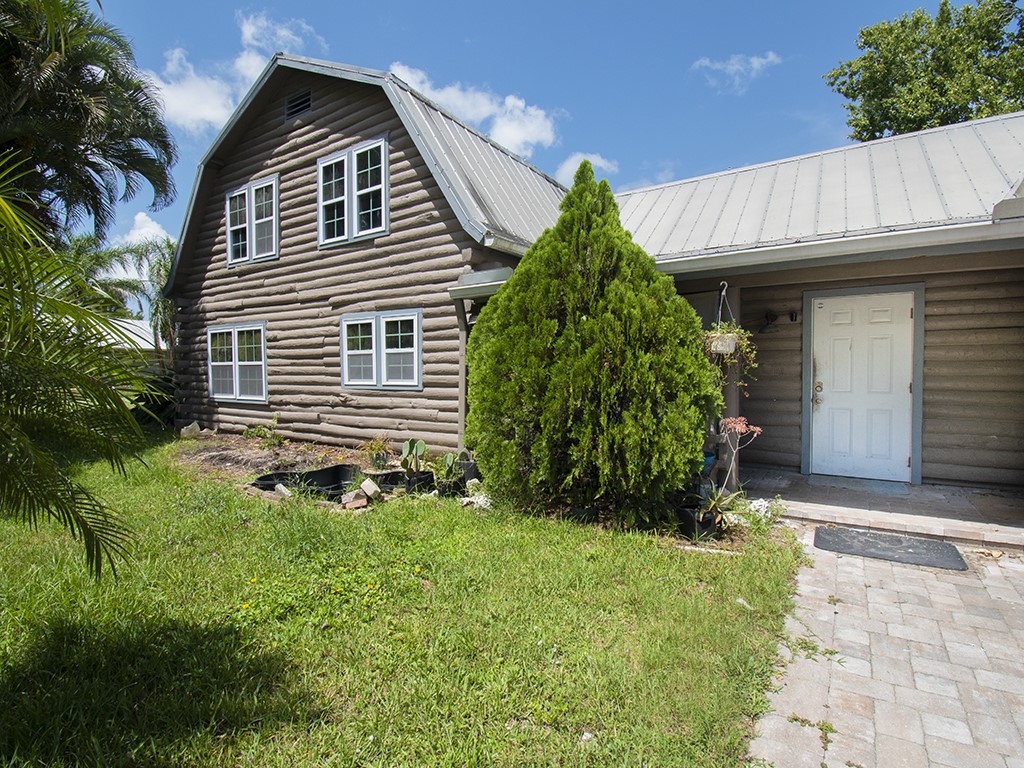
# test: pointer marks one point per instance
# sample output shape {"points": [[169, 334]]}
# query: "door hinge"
{"points": [[911, 313], [908, 461], [911, 387]]}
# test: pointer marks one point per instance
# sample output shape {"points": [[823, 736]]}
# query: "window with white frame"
{"points": [[352, 193], [381, 350], [238, 362], [252, 221]]}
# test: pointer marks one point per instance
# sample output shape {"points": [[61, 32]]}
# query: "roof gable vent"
{"points": [[298, 103]]}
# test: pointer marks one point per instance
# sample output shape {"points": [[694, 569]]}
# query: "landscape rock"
{"points": [[192, 430], [281, 490], [353, 496], [357, 503], [370, 488]]}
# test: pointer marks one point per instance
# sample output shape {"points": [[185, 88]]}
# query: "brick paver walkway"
{"points": [[898, 666]]}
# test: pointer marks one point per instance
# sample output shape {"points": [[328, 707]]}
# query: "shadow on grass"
{"points": [[156, 693]]}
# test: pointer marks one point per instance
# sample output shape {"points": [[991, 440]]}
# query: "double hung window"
{"points": [[252, 221], [352, 193], [381, 350], [237, 362]]}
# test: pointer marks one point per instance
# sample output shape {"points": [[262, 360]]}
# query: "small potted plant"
{"points": [[731, 349], [416, 479], [721, 340], [448, 476], [711, 518], [470, 470]]}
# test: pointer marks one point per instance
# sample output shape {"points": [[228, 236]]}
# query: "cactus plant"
{"points": [[412, 452]]}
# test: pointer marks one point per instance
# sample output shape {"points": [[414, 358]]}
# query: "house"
{"points": [[888, 281], [343, 231], [325, 227]]}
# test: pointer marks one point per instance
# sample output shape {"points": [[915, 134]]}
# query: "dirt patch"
{"points": [[233, 457]]}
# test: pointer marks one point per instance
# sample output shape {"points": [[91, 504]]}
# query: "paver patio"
{"points": [[900, 665]]}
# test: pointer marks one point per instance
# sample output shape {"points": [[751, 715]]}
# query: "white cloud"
{"points": [[736, 72], [469, 103], [264, 34], [519, 126], [248, 65], [202, 102], [567, 170], [509, 120], [197, 103], [143, 228]]}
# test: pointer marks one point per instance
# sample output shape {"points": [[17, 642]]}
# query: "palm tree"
{"points": [[66, 382], [107, 270], [74, 102], [153, 258]]}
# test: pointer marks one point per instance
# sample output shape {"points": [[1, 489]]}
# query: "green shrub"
{"points": [[588, 385]]}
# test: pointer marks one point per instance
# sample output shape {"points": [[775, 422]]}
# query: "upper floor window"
{"points": [[381, 349], [237, 362], [352, 193], [252, 221]]}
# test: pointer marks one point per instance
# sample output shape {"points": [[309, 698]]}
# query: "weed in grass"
{"points": [[266, 433]]}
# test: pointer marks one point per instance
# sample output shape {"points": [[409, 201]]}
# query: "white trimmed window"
{"points": [[381, 350], [252, 221], [352, 193], [238, 362]]}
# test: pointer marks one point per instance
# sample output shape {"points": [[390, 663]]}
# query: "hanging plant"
{"points": [[727, 344]]}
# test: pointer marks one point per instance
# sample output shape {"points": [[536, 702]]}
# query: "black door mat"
{"points": [[889, 546]]}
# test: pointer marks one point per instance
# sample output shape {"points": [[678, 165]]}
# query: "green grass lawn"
{"points": [[417, 633]]}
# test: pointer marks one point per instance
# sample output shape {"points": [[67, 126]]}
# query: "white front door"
{"points": [[861, 399]]}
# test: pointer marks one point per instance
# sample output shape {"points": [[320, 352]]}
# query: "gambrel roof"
{"points": [[501, 200], [932, 189]]}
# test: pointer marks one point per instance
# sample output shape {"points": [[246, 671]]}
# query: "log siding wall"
{"points": [[302, 294], [973, 422]]}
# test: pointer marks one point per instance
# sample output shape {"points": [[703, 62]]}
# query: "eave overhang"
{"points": [[976, 237]]}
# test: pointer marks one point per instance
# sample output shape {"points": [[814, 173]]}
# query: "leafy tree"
{"points": [[73, 101], [588, 385], [921, 72], [67, 378]]}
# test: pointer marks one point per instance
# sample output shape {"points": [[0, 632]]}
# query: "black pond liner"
{"points": [[888, 546], [331, 481]]}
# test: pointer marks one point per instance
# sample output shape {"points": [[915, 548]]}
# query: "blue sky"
{"points": [[649, 91]]}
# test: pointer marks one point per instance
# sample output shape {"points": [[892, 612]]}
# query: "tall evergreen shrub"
{"points": [[588, 385]]}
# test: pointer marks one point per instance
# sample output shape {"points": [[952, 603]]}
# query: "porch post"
{"points": [[729, 458]]}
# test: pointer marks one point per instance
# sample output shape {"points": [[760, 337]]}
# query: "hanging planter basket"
{"points": [[723, 343]]}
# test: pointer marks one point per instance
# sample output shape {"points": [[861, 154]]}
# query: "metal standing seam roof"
{"points": [[939, 177], [501, 200], [506, 202]]}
